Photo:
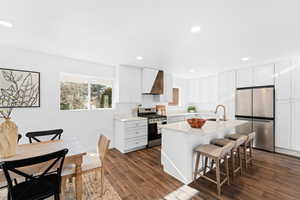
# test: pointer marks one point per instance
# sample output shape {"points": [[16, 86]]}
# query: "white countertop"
{"points": [[209, 127], [129, 118], [175, 114]]}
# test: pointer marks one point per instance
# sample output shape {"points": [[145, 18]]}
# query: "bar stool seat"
{"points": [[220, 141], [234, 136], [209, 150]]}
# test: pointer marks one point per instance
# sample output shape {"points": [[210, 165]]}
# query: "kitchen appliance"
{"points": [[256, 105], [153, 81], [154, 120]]}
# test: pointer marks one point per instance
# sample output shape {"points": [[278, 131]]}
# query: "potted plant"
{"points": [[191, 109]]}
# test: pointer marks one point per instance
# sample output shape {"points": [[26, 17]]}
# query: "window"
{"points": [[85, 93], [175, 99]]}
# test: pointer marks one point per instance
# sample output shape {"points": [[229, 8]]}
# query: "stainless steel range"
{"points": [[154, 120]]}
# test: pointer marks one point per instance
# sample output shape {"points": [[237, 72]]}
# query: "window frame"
{"points": [[89, 82]]}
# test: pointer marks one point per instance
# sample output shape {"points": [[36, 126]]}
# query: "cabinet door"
{"points": [[283, 124], [130, 84], [226, 86], [296, 79], [263, 75], [168, 89], [193, 89], [283, 80], [244, 77], [295, 140]]}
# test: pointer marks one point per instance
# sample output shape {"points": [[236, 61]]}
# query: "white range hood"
{"points": [[153, 81]]}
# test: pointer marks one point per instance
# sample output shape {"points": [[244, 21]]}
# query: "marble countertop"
{"points": [[128, 118], [187, 113], [209, 127]]}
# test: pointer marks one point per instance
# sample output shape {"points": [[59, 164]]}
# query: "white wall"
{"points": [[85, 125]]}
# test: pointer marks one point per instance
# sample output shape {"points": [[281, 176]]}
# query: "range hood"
{"points": [[153, 82]]}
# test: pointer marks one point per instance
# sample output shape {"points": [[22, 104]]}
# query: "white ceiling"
{"points": [[116, 31]]}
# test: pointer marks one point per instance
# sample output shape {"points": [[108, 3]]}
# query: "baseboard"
{"points": [[287, 152]]}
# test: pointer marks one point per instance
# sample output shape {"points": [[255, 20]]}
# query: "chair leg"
{"points": [[218, 176], [196, 165], [63, 187], [56, 197], [227, 169], [212, 164], [102, 181]]}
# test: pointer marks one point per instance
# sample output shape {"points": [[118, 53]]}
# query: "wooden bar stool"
{"points": [[217, 154], [247, 147], [236, 151]]}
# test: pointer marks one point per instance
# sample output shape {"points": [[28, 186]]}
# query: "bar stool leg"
{"points": [[212, 164], [241, 161], [218, 176], [245, 155], [233, 163], [196, 165], [251, 155], [205, 165], [227, 169]]}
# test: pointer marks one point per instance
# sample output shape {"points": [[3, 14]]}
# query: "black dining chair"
{"points": [[39, 186], [33, 135]]}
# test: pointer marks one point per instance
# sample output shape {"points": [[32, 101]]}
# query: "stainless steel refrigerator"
{"points": [[256, 105]]}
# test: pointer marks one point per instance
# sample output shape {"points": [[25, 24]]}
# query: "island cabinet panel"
{"points": [[283, 125], [283, 80], [131, 135]]}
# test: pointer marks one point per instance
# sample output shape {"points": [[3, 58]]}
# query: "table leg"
{"points": [[78, 182]]}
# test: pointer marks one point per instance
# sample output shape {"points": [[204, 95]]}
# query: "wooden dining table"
{"points": [[74, 156]]}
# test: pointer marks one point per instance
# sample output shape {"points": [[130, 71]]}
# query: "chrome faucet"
{"points": [[224, 108]]}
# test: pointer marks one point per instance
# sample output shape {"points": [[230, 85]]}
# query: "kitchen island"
{"points": [[179, 141]]}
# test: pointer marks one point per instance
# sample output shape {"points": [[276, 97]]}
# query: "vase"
{"points": [[8, 138]]}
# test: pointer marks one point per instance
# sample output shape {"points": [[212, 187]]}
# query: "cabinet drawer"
{"points": [[136, 142], [136, 132], [135, 124]]}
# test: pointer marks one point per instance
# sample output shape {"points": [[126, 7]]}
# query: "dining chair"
{"points": [[35, 186], [92, 162], [56, 134]]}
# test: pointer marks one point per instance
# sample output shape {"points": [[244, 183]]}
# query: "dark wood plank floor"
{"points": [[139, 175]]}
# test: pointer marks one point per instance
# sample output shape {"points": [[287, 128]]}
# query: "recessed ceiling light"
{"points": [[245, 59], [192, 71], [195, 29], [6, 24], [139, 58]]}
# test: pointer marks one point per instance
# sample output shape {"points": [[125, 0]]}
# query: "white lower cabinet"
{"points": [[283, 124], [131, 135]]}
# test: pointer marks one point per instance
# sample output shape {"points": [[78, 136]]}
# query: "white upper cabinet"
{"points": [[193, 88], [211, 89], [226, 92], [283, 80], [263, 75], [295, 139], [244, 77], [168, 89], [130, 84], [295, 69], [149, 76], [283, 124]]}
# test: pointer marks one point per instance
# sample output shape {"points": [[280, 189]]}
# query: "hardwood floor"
{"points": [[139, 175]]}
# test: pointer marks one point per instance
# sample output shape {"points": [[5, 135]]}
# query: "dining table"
{"points": [[73, 157]]}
